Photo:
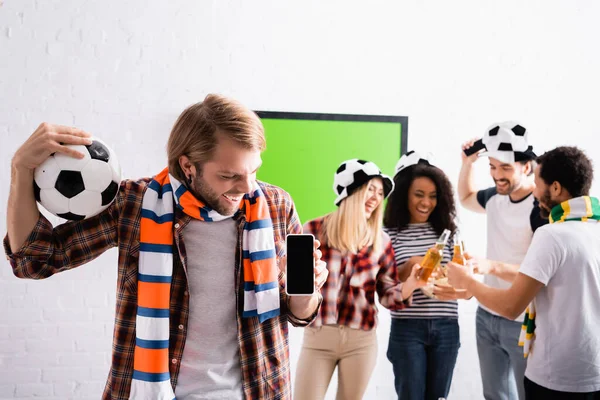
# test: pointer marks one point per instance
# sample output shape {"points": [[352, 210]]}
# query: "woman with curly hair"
{"points": [[424, 338]]}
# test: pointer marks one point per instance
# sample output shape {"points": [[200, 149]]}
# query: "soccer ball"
{"points": [[506, 136], [75, 189], [411, 158]]}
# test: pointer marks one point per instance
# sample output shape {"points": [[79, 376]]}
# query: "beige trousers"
{"points": [[353, 351]]}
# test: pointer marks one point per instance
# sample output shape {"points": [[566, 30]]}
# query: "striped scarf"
{"points": [[151, 378], [584, 209]]}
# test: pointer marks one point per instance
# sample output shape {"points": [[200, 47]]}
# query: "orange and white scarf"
{"points": [[151, 378]]}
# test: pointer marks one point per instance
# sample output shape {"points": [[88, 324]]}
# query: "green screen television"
{"points": [[305, 149]]}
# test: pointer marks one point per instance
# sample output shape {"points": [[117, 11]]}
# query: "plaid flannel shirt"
{"points": [[264, 352], [349, 293]]}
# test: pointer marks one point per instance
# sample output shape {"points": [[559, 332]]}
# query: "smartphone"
{"points": [[477, 146], [300, 270]]}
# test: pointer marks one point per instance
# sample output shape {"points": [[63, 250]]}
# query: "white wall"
{"points": [[125, 70]]}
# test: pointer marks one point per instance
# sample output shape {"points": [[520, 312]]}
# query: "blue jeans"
{"points": [[423, 354], [500, 357]]}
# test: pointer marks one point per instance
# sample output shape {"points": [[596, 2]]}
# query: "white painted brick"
{"points": [[44, 331], [85, 280], [5, 332], [39, 360], [5, 303], [45, 29], [61, 374], [13, 287], [7, 391], [100, 373], [49, 300], [57, 285], [22, 316], [17, 302], [96, 300], [20, 375], [34, 390], [49, 398], [93, 344], [81, 359], [64, 389], [67, 35], [66, 315], [12, 346], [58, 117], [76, 52], [106, 105], [69, 302], [80, 330], [94, 35], [103, 314], [91, 389], [50, 346]]}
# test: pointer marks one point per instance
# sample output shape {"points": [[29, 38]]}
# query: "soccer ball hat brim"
{"points": [[510, 157]]}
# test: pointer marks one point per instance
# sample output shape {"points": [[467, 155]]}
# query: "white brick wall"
{"points": [[124, 71]]}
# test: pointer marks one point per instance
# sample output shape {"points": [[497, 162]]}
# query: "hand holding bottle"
{"points": [[413, 282]]}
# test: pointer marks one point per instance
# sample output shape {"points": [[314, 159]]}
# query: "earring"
{"points": [[189, 180]]}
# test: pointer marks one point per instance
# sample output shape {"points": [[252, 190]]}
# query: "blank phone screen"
{"points": [[300, 264]]}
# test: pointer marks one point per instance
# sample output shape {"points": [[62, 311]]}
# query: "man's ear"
{"points": [[187, 166], [556, 188], [528, 168]]}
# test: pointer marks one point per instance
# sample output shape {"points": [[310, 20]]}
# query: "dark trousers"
{"points": [[533, 391]]}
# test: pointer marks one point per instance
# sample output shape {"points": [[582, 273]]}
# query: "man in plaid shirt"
{"points": [[214, 352]]}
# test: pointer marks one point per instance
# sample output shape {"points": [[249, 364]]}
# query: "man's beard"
{"points": [[547, 201], [204, 193], [509, 188]]}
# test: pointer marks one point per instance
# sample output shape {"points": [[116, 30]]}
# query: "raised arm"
{"points": [[34, 248], [23, 214], [467, 193]]}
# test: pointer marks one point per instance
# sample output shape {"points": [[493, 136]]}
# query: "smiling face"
{"points": [[508, 177], [422, 199], [374, 196], [223, 181]]}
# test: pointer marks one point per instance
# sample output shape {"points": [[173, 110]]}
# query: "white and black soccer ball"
{"points": [[412, 158], [352, 174], [75, 189], [506, 136]]}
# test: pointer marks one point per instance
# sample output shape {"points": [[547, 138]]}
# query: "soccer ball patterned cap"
{"points": [[507, 142], [352, 174], [413, 158]]}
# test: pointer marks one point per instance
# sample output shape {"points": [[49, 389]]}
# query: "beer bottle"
{"points": [[459, 250], [433, 257]]}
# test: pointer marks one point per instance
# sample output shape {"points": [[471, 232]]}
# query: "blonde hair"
{"points": [[347, 229], [195, 133]]}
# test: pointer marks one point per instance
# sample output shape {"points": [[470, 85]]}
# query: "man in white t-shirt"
{"points": [[512, 217], [560, 275]]}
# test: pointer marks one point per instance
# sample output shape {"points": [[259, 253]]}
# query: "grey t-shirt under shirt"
{"points": [[210, 366]]}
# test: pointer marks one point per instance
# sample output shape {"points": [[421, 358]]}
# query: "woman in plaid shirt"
{"points": [[360, 261]]}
